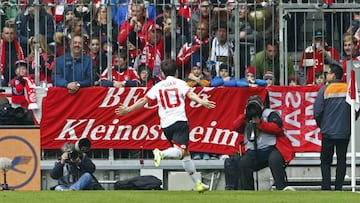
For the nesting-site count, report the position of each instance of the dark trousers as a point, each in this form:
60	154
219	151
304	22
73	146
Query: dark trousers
259	159
326	157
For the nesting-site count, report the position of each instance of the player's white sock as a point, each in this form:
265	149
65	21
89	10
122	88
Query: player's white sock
189	167
172	152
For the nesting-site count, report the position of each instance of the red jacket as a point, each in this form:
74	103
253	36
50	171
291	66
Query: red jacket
313	62
283	144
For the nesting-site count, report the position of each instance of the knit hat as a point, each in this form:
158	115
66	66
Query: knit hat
250	69
268	75
154	27
19	63
225	66
197	60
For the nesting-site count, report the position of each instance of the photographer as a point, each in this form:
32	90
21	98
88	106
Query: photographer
74	170
265	144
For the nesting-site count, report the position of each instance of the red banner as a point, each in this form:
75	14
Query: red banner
90	113
295	105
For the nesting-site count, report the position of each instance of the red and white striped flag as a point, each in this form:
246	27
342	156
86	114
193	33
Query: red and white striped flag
353	91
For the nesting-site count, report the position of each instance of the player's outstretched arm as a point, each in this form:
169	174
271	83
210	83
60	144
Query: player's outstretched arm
204	102
123	110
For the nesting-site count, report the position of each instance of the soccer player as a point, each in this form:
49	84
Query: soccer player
173	120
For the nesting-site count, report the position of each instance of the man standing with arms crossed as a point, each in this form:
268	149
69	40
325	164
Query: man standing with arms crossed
170	95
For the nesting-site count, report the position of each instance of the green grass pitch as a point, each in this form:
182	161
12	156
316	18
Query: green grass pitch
131	196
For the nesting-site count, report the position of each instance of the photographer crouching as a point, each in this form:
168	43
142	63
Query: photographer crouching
74	169
265	144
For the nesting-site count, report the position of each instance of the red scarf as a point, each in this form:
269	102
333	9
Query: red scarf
18	50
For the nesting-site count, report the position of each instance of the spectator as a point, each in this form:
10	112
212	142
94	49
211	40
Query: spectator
73	70
68	15
84	10
23	87
98	56
222	50
269	60
137	24
25	26
10	51
250	79
47	62
122	74
173	121
202	15
200	46
182	34
9	11
73	171
145	76
314	58
153	51
264	143
320	78
74	26
351	52
196	78
224	79
121	11
100	22
269	78
332	115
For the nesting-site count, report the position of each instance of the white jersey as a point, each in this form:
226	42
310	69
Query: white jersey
170	95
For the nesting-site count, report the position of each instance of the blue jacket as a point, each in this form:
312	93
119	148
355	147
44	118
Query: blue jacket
68	69
244	83
218	81
332	112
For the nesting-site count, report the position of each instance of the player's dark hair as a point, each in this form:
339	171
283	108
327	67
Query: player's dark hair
168	67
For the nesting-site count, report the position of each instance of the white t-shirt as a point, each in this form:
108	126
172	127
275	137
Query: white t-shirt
170	95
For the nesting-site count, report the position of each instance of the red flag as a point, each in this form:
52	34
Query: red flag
352	88
353	91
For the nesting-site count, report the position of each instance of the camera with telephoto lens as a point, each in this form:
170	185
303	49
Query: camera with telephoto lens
73	155
253	109
78	149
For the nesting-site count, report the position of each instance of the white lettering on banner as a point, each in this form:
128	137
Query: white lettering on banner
275	103
309	110
291	123
69	129
294	101
202	94
113	94
297	123
143	132
113	97
291	134
312	136
221	136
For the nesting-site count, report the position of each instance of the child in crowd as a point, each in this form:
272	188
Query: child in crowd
23	87
196	78
269	78
122	74
224	78
250	80
146	78
320	78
